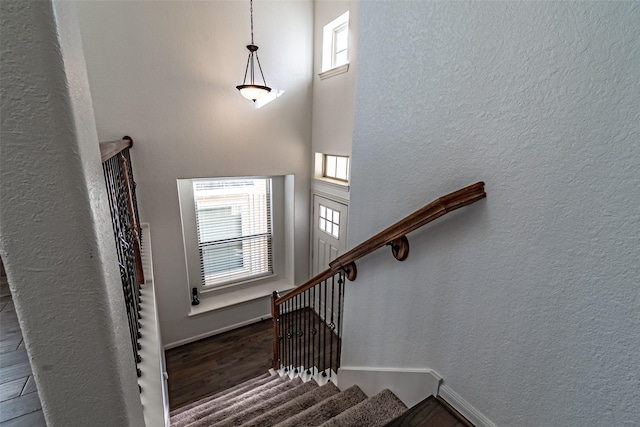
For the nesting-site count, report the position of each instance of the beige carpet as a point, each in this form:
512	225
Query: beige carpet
278	401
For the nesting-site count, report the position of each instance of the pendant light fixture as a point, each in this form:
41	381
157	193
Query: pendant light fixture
253	91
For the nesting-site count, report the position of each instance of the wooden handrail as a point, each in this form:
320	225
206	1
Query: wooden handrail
394	236
108	149
306	285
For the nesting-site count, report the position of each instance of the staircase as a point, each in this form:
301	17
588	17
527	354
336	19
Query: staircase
279	401
307	321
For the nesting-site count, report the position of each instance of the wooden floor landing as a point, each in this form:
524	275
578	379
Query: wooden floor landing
431	412
19	401
213	364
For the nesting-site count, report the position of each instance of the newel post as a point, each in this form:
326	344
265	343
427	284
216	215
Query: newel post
275	317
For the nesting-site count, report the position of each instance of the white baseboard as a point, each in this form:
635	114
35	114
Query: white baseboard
464	407
410	385
217	331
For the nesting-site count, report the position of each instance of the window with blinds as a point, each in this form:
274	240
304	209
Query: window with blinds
233	223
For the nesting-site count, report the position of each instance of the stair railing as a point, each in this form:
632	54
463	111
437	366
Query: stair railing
121	190
307	321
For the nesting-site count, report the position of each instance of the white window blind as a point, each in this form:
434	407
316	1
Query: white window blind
233	222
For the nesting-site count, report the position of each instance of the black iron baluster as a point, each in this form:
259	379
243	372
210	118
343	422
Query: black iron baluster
320	331
120	186
111	170
290	334
307	294
324	335
280	348
314	331
109	180
332	325
296	340
120	248
127	246
284	319
303	338
339	329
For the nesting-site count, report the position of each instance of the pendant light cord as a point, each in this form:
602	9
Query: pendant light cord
251	9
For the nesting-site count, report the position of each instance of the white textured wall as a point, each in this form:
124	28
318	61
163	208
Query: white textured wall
527	303
165	73
55	236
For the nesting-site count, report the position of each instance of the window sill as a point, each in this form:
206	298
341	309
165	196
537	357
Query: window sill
217	299
334	71
343	185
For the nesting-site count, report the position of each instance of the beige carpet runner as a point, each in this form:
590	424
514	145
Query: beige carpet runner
282	402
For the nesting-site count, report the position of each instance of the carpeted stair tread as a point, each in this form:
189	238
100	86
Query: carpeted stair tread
240	388
376	411
261	407
213	404
224	401
237	404
294	406
327	409
274	401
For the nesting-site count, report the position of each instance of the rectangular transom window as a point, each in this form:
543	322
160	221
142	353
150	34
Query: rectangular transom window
336	167
233	223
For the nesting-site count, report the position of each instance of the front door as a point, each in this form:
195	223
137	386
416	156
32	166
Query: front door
329	232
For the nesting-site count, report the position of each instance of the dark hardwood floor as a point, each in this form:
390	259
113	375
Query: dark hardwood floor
431	412
207	366
19	401
213	364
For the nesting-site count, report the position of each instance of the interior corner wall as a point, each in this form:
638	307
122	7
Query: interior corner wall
56	239
526	302
165	74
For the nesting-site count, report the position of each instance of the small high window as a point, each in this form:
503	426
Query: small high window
336	167
335	43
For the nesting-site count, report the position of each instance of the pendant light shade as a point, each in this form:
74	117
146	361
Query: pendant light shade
251	90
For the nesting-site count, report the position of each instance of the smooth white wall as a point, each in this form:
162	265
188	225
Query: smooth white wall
333	98
527	302
165	73
56	240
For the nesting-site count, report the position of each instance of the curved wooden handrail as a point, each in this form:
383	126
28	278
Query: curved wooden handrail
108	149
321	277
393	236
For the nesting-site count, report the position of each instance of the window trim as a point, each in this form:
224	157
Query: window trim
283	255
334	71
